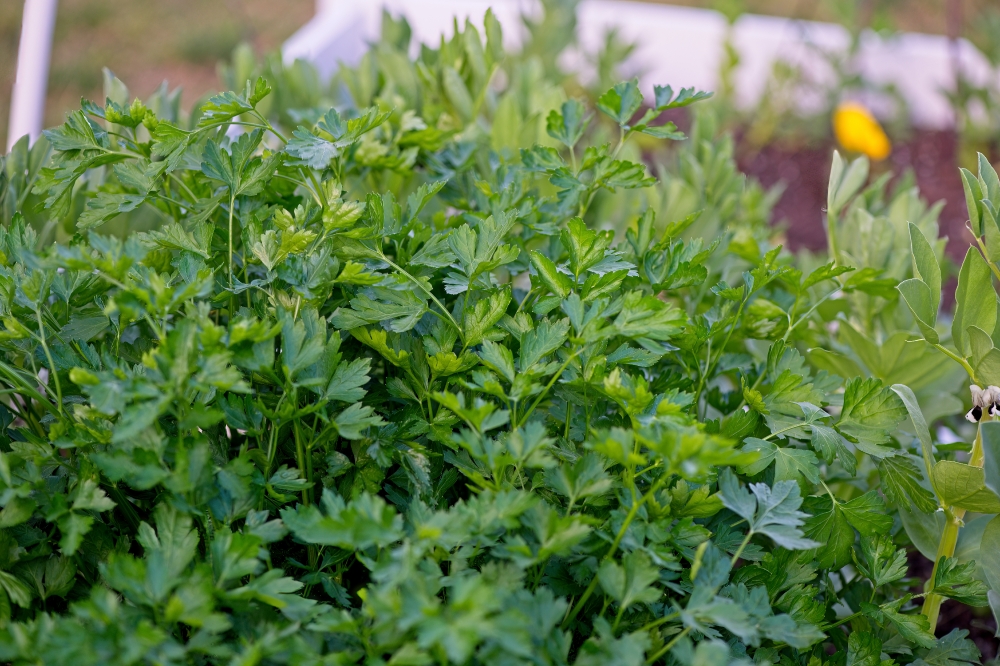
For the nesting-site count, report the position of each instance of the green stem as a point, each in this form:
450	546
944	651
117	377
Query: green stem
831	236
809	312
614	546
187	190
710	365
232	203
949	538
300	454
958	359
562	368
989	259
739	551
427	291
663	620
53	371
669	646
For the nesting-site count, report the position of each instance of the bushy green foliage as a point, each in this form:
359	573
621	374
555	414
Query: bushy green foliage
446	375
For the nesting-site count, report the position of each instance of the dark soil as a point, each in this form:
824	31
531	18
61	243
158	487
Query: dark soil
805	170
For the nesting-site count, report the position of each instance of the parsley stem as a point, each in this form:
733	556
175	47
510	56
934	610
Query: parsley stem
427	291
614	545
742	547
784	430
710	365
53	371
808	312
25	387
187	190
558	373
669	646
657	622
232	203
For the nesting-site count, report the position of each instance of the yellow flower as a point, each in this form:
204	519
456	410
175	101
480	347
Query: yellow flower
858	131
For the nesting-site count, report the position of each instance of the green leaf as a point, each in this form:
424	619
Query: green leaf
400	309
919	422
914	628
556	282
867	514
568	124
870	411
955	649
959	582
845	183
85	328
823	273
832	522
347	380
541	341
356	418
789	463
478	320
228	105
498	358
901	484
926	267
829	526
830	444
989	182
989	553
364	522
631	582
664	97
621	102
864	649
585	478
920	300
88	496
235	556
964	486
990	431
73	527
975	300
106	206
880	561
773	512
973	194
16	589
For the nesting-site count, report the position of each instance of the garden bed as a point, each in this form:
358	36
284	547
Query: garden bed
804	170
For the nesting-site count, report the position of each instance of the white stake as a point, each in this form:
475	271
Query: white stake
27	106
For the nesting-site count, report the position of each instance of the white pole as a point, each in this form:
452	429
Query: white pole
27	105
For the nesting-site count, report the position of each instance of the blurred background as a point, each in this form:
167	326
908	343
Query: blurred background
202	46
144	43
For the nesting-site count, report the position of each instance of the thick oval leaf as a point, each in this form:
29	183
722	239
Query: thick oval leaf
963	486
973	193
976	302
989	554
925	265
919	298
